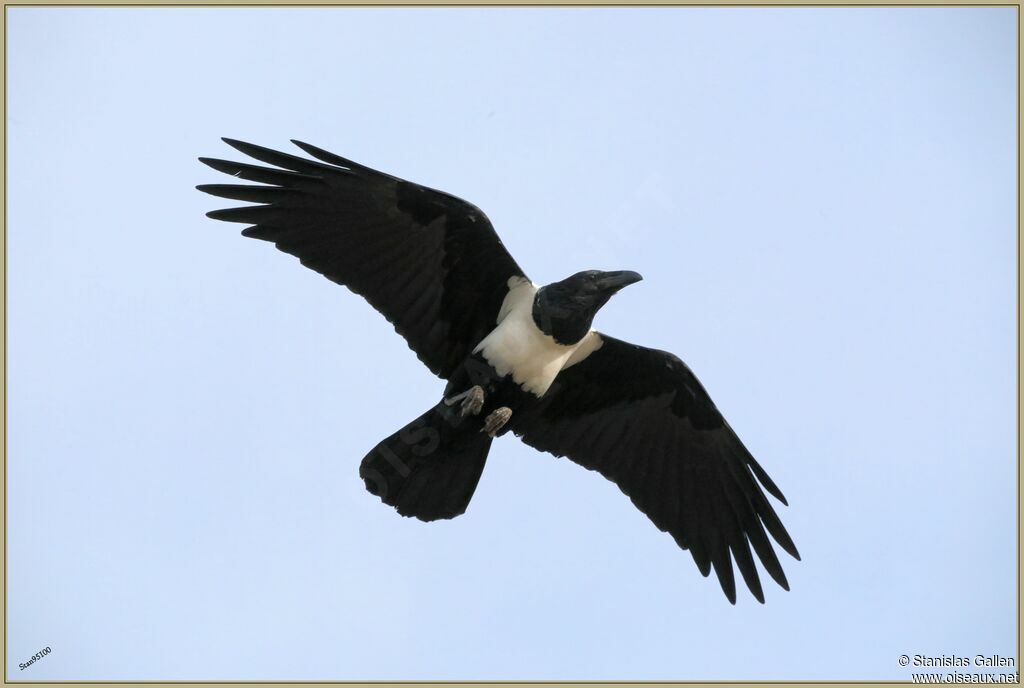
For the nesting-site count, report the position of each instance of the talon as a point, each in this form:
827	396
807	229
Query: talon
496	420
472	401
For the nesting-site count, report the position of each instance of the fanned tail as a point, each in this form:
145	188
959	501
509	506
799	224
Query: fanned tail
430	468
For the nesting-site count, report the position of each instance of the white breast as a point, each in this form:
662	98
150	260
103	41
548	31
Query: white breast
518	348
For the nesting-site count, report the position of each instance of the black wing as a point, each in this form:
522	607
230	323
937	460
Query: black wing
431	263
642	419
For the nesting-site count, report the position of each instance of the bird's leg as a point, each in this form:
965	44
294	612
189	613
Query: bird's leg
472	401
496	420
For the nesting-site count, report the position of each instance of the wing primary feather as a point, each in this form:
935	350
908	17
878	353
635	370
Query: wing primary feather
731	510
247	192
723	569
255	173
285	160
773	524
761	474
745	563
765	552
763	478
329	157
250	215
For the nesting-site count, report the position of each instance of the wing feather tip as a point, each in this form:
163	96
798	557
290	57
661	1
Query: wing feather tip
212	162
756	590
244	146
211	189
309	148
254	232
237	215
329	157
781	579
786	542
729	590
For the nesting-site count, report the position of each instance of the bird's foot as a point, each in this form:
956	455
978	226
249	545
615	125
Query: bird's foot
496	420
472	401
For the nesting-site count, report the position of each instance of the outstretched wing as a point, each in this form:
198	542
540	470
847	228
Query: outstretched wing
431	263
642	419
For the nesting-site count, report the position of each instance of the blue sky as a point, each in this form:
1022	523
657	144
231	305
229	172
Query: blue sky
824	200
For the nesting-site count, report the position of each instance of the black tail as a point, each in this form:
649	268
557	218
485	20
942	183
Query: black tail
430	468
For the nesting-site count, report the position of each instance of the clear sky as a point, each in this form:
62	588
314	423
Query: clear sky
821	200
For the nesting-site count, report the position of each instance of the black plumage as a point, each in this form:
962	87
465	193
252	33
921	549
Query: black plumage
413	253
640	418
433	265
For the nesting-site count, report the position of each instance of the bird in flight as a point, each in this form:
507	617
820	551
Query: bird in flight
517	357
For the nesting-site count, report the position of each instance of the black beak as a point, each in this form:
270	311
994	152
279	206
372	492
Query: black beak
611	282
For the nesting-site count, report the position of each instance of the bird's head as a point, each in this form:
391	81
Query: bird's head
566	309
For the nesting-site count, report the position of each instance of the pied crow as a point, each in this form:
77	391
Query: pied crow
516	357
